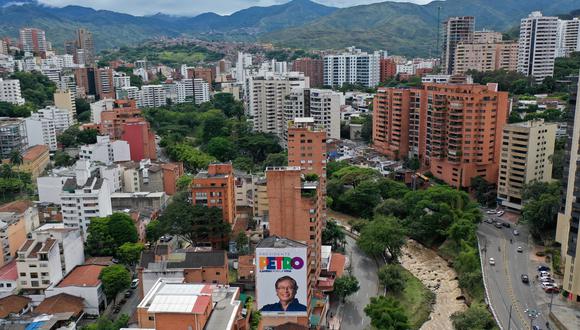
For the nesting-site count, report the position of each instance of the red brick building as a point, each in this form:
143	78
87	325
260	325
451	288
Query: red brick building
312	68
141	139
216	188
307	148
454	129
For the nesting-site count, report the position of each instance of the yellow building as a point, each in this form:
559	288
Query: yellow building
35	160
65	99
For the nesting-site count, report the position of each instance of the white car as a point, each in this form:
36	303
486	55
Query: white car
500	213
490	212
547	285
544	273
492	261
546	279
519	249
134	283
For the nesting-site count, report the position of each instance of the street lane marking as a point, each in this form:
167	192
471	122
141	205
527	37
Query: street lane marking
509	286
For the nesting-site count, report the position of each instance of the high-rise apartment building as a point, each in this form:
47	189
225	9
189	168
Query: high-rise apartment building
216	188
388	69
485	54
104	84
307	146
352	67
203	73
112	115
84	41
153	96
267	95
537	45
61	117
243	64
296	210
3	47
313	68
65	99
12	136
454	129
569	217
568	37
455	30
34	41
525	157
41	131
200	91
10	91
321	105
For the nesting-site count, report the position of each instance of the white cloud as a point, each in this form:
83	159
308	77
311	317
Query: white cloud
194	7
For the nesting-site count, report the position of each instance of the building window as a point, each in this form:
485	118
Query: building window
151	318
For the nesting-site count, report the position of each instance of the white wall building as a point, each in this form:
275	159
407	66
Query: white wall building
352	67
10	91
153	96
200	91
129	93
41	131
62	117
106	151
120	80
568	37
537	45
243	64
39	264
49	188
69	240
98	107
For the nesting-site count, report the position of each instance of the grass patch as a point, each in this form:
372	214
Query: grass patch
232	275
416	300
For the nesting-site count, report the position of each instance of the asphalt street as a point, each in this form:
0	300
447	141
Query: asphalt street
505	287
365	270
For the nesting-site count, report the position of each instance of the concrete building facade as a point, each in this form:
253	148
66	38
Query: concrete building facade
216	188
455	30
313	68
537	45
10	91
352	67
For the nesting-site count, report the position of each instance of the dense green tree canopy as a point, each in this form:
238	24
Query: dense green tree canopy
115	278
386	314
106	235
382	235
345	286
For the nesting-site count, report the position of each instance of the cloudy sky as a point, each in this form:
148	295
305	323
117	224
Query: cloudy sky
194	7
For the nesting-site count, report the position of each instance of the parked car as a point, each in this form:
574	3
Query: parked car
492	261
488	220
546	279
553	289
543	268
128	293
135	283
525	278
490	212
544	273
516	232
506	224
500	213
117	309
498	225
519	249
547	285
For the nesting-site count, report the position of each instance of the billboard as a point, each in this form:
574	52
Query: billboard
281	281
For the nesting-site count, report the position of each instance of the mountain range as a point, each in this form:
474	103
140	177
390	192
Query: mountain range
401	28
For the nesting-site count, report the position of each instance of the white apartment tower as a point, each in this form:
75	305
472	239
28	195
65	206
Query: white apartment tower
33	40
61	117
106	151
537	45
267	95
41	131
10	91
200	90
322	105
243	64
568	37
352	67
153	96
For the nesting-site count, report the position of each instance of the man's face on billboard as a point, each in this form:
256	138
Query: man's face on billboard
285	291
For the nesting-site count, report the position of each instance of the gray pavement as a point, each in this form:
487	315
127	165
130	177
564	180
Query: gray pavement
365	270
505	288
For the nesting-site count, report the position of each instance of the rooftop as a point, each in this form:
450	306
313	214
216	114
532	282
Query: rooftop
171	297
16	206
9	272
279	243
138	195
82	275
12	304
61	303
187	259
34	152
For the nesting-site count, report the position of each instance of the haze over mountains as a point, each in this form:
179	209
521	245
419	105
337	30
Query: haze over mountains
401	28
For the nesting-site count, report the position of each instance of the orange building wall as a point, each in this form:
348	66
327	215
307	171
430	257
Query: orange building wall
312	151
214	275
220	180
16	234
391	126
388	69
174	321
171	172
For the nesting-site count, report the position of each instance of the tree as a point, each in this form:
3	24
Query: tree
228	104
485	192
258	146
194	223
87	136
104	323
462	229
277	159
242	242
154	231
333	235
392	278
221	148
61	159
476	317
115	278
367	128
106	235
383	234
345	285
392	206
129	253
192	158
183	182
244	163
15	158
540	214
386	314
122	229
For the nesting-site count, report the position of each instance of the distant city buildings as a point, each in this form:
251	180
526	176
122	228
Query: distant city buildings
13	136
10	91
313	68
537	46
455	30
568	37
33	41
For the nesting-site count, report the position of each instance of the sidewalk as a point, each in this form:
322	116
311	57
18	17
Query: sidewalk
336	311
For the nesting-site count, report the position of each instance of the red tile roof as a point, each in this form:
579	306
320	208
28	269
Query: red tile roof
83	275
12	304
337	264
61	303
34	152
9	272
16	206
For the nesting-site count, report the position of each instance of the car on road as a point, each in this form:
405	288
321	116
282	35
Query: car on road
500	213
547	285
506	224
128	294
544	273
492	261
516	232
546	279
543	268
498	225
519	249
553	289
117	309
488	220
525	278
490	212
135	283
536	327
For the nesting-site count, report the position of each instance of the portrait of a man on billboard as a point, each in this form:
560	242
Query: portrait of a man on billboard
286	288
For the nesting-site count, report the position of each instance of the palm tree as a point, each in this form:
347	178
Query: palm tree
15	158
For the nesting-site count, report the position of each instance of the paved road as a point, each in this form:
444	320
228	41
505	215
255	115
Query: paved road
505	287
365	270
